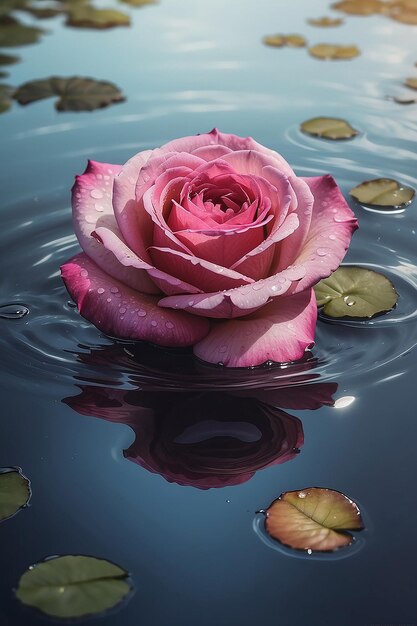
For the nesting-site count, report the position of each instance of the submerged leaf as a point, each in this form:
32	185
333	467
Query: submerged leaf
383	192
73	586
14	491
326	51
89	17
360	7
8	59
313	519
329	128
326	22
293	41
13	33
75	93
411	82
355	292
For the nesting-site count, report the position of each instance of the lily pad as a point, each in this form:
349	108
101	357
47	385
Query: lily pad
327	51
73	586
8	59
383	192
411	82
74	93
89	17
293	41
360	7
14	492
43	13
355	292
313	519
7	6
13	33
329	128
404	12
6	93
325	22
138	3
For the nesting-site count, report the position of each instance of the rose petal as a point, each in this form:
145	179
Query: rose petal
91	207
121	312
328	238
280	332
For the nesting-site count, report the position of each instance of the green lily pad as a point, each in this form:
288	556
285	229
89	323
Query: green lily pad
43	13
6	93
73	586
14	492
325	22
278	41
74	93
138	3
333	52
89	17
3	74
7	6
8	59
313	519
411	82
13	33
355	292
329	128
383	192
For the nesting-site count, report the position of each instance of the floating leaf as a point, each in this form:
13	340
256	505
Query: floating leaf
355	292
313	519
383	192
42	13
75	93
73	586
411	82
293	41
329	128
13	33
326	22
138	3
360	7
8	59
328	51
89	17
3	74
403	100
6	93
7	6
14	492
405	12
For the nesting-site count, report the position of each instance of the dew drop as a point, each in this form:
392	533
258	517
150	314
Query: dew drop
98	207
108	299
90	219
332	237
123	310
100	290
302	494
13	311
84	273
190	303
114	289
257	286
154	323
141	313
322	251
96	193
169	325
349	301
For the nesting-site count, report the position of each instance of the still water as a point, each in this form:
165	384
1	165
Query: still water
157	462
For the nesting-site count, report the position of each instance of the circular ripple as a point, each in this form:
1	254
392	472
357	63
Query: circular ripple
54	343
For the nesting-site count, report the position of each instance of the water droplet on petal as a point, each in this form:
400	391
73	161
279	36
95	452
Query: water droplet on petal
84	273
169	325
100	290
123	310
96	193
114	289
98	208
322	251
191	302
332	237
141	313
154	323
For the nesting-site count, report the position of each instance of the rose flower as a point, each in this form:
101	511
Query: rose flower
210	241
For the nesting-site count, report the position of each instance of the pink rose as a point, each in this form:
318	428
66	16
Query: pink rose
210	241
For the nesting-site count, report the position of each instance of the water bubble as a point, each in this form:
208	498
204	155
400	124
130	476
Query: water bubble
123	310
141	313
98	208
154	323
302	494
13	311
114	289
100	290
96	193
84	273
169	325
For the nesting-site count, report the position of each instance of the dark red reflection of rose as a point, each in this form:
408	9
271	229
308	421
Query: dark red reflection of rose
207	439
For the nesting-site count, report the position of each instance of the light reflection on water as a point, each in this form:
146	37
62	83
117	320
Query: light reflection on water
193	554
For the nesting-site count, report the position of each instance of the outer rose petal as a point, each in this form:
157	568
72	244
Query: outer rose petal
92	207
280	332
331	229
121	312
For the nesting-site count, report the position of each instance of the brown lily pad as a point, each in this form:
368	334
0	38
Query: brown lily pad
329	128
404	12
411	82
383	192
360	7
325	22
313	519
278	41
326	52
355	292
74	93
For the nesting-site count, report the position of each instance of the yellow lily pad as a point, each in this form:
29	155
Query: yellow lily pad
325	22
326	51
313	520
355	292
329	128
360	7
89	17
278	41
411	82
404	11
73	586
383	192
